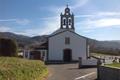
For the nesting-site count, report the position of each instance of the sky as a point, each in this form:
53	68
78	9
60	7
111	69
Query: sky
95	19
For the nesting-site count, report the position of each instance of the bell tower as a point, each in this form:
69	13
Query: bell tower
67	19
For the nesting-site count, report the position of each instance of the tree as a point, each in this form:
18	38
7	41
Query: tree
8	47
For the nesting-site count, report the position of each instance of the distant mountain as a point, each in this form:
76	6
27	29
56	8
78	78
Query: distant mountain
12	35
23	40
109	44
95	45
105	47
42	38
106	44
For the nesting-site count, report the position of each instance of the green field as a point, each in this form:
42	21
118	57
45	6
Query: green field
117	65
21	69
100	54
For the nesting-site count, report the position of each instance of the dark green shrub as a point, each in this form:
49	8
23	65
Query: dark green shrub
8	47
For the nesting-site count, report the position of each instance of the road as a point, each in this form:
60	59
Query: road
70	72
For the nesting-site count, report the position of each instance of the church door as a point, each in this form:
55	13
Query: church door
67	55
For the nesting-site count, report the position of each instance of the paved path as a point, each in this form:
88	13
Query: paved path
71	72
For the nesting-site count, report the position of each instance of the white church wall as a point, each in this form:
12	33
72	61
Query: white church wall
89	61
57	45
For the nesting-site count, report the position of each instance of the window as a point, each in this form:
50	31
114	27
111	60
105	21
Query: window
64	22
69	21
67	40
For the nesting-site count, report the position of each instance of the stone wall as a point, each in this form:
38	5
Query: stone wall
108	73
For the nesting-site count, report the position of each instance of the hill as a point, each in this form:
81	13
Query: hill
12	68
105	47
95	45
21	39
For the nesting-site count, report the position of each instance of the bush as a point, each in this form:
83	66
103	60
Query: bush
8	47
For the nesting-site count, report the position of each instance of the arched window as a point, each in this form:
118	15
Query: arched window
70	21
64	21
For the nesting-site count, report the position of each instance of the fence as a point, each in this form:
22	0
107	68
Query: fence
108	73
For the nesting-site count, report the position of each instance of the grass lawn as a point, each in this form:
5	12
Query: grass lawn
12	68
100	54
113	65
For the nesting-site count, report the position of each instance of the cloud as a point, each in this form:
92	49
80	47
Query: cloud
107	22
23	21
52	23
99	20
100	23
48	27
89	21
108	14
92	21
99	15
49	18
84	16
76	4
56	10
79	3
18	21
7	20
4	29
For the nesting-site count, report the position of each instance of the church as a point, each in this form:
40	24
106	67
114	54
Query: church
63	45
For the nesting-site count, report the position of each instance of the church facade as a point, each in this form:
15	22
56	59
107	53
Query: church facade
65	44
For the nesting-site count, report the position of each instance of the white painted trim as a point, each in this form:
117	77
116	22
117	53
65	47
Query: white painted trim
83	77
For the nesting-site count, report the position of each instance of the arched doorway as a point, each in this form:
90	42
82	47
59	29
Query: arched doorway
67	55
